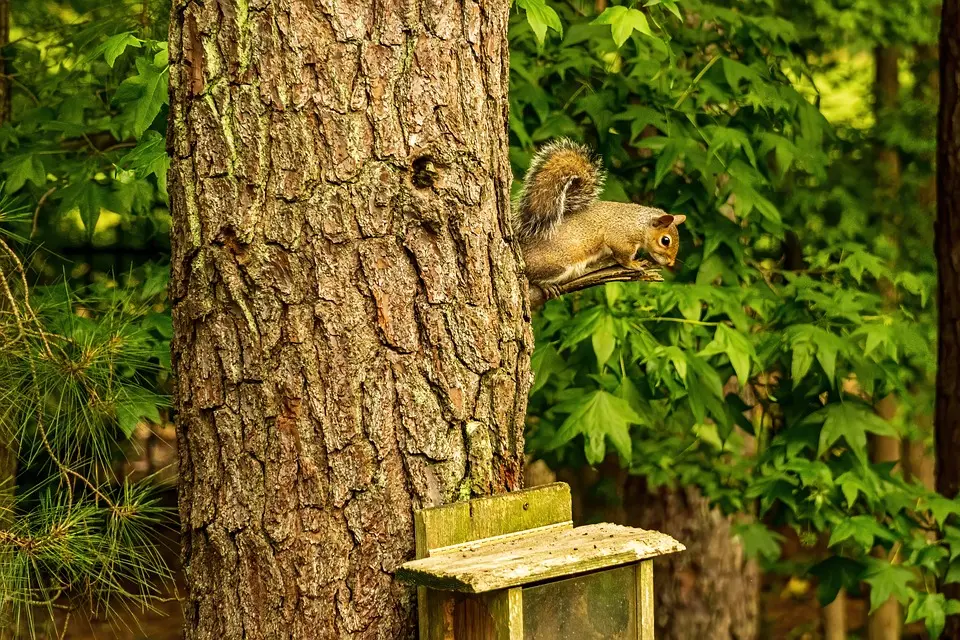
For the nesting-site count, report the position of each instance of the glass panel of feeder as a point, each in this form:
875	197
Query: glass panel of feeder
596	606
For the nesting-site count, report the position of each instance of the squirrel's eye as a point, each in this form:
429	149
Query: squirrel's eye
665	241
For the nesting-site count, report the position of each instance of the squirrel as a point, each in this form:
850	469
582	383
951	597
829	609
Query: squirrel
565	230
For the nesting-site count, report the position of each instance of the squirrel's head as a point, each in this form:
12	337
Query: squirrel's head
664	240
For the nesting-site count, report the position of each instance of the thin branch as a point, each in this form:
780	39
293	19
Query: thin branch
36	212
696	81
539	295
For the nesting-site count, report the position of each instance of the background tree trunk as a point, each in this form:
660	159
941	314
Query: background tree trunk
885	622
351	330
947	418
835	618
5	98
711	590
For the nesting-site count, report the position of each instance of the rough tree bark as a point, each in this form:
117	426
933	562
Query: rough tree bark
351	331
947	230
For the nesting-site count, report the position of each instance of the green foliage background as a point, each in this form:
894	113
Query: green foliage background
804	295
84	323
806	282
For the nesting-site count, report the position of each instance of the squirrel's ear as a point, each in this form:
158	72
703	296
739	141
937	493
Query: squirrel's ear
679	219
663	221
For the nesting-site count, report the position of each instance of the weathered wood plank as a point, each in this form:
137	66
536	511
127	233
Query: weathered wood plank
435	611
499	515
645	600
507	609
481	566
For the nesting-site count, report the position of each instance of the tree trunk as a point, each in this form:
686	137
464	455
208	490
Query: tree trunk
835	618
886	89
710	590
5	98
918	460
351	336
885	622
947	229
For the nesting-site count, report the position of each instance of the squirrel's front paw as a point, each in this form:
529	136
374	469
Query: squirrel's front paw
635	265
551	291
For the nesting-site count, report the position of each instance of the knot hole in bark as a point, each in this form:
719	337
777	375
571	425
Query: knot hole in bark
234	245
425	172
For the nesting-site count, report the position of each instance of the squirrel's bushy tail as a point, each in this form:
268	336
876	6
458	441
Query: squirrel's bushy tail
564	177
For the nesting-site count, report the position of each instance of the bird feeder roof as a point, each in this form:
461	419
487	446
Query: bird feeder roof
545	554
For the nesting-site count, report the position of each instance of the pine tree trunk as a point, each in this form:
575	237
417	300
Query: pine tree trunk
947	418
351	331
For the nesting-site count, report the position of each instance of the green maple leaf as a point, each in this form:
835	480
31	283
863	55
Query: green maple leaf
809	342
87	197
669	4
878	335
941	507
759	541
116	45
735	72
134	404
851	485
860	261
951	535
598	416
836	573
851	422
23	169
886	580
623	22
667	158
953	573
545	362
737	347
862	529
582	327
144	94
604	341
678	357
149	157
801	361
932	608
540	17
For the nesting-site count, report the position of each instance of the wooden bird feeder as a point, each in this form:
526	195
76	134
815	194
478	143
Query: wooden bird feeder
513	566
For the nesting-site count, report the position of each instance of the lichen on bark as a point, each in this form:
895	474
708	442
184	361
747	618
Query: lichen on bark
351	329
